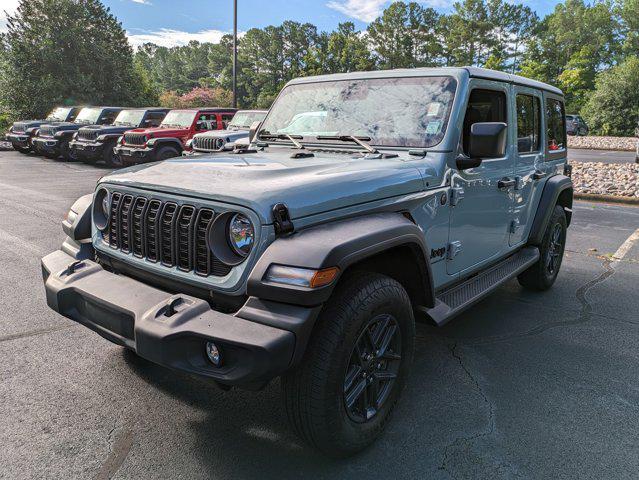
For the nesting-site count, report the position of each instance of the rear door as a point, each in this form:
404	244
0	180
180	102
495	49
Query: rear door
530	167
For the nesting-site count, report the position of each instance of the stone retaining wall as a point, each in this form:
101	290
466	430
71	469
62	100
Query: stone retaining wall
603	143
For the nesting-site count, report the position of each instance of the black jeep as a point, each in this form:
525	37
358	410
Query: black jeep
21	133
52	140
96	142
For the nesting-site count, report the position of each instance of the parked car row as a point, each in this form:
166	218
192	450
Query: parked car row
127	136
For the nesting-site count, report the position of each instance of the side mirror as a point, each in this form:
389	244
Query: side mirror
255	126
487	140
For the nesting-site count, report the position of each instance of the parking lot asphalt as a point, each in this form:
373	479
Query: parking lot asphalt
604	156
523	385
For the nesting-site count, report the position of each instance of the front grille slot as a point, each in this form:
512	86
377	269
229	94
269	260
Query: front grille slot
167	234
151	230
174	235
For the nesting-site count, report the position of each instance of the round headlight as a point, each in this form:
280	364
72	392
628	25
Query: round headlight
101	209
241	234
219	143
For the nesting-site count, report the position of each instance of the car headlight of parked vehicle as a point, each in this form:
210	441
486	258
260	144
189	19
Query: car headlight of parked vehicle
231	237
59	134
101	209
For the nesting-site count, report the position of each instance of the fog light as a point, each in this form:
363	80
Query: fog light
213	353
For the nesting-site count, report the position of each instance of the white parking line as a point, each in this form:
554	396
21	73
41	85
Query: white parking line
626	246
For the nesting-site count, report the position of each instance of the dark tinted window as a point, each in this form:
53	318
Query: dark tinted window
556	124
483	106
528	123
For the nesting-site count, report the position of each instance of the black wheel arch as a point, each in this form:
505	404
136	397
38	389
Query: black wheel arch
167	142
558	190
387	243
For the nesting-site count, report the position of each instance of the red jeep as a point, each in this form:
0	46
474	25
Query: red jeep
142	145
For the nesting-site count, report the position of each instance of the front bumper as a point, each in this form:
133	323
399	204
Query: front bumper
87	150
131	155
49	145
20	140
258	343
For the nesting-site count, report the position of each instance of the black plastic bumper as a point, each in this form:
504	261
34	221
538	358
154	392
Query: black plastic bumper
130	156
20	140
85	150
258	343
49	145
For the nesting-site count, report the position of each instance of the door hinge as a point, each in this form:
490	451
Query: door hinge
454	248
282	220
456	195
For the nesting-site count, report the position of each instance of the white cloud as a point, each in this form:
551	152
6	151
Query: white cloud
369	10
167	37
143	2
7	7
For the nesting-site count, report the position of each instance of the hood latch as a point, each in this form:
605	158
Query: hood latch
282	220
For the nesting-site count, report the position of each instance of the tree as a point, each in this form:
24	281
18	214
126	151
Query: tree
613	108
53	60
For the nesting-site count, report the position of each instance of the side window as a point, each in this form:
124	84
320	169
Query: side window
483	106
109	117
153	119
210	121
528	123
556	125
226	119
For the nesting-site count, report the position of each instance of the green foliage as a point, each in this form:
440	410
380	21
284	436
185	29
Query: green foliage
613	108
64	52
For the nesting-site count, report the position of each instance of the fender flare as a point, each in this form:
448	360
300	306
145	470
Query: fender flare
342	244
163	141
554	187
77	226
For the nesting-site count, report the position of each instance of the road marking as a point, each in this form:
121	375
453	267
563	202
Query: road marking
626	246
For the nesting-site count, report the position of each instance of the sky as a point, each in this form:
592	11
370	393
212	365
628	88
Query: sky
176	22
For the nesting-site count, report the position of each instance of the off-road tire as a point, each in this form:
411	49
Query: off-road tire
313	393
110	158
166	152
539	276
52	156
66	153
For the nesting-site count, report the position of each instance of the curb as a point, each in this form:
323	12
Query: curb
591	197
603	149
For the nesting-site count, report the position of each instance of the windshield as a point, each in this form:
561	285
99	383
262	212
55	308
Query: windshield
406	112
129	118
178	118
89	116
59	114
246	119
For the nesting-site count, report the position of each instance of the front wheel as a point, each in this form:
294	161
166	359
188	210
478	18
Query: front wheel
340	397
542	274
23	150
164	153
111	158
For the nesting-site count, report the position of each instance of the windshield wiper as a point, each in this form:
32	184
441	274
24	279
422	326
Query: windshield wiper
361	141
293	139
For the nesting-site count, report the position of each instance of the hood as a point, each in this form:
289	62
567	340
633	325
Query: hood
104	129
258	181
232	135
159	132
22	125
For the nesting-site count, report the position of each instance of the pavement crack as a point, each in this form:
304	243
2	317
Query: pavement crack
467	439
32	333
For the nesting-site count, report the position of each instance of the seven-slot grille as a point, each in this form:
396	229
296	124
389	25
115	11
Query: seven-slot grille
135	138
208	144
87	135
47	131
163	232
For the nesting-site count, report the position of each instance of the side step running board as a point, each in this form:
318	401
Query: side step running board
459	297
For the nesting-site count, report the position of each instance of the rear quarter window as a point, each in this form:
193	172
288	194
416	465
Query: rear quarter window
555	125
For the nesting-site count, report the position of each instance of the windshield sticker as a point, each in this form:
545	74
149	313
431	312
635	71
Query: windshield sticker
433	109
433	127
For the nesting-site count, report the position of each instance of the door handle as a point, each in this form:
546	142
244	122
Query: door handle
506	183
538	175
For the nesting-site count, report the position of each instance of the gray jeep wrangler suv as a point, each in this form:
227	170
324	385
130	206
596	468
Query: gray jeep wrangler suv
364	201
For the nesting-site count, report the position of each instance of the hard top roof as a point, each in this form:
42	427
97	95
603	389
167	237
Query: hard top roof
207	109
474	72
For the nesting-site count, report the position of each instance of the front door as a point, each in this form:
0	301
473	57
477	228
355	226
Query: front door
482	197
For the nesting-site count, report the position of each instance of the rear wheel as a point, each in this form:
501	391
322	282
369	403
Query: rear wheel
66	152
340	397
543	273
166	152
